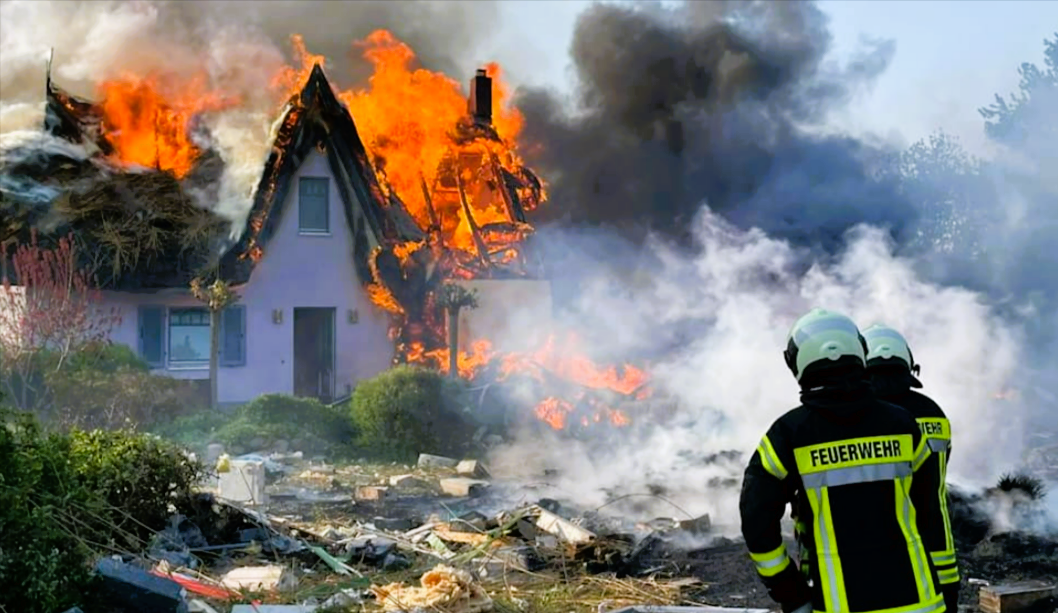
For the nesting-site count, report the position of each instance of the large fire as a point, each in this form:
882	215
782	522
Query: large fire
453	165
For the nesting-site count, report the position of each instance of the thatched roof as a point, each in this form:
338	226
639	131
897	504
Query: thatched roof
315	119
143	230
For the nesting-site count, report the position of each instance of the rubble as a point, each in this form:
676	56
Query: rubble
260	579
461	487
427	460
1018	597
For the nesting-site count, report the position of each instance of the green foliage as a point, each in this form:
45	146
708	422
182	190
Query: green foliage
407	410
65	498
307	424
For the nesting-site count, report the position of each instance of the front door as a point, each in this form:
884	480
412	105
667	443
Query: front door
314	353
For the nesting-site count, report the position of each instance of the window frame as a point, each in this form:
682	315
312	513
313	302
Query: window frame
170	364
327	208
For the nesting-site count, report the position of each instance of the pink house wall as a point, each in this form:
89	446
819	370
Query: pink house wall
296	271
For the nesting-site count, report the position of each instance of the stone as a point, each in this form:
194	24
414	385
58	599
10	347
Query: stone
371	492
406	481
260	579
472	468
243	482
427	460
463	487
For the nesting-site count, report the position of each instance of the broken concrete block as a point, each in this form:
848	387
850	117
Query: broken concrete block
260	578
371	492
463	487
472	468
698	525
243	482
136	589
273	608
562	528
427	460
406	481
1015	597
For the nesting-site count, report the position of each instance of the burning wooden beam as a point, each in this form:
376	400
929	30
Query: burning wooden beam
475	231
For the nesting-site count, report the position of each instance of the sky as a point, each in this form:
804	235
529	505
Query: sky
951	57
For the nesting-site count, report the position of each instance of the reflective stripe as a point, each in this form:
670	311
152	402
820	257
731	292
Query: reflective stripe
771	563
857	474
770	460
922	453
906	518
830	574
942	494
937	445
936	604
948	576
943	558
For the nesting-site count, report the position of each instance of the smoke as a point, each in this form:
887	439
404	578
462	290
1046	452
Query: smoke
241	46
700	134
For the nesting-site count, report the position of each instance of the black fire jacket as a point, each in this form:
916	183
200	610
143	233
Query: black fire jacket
846	459
934	522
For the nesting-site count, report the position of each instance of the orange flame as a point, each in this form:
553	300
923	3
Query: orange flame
149	121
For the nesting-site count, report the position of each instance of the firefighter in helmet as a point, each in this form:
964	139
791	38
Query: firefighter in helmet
893	373
847	460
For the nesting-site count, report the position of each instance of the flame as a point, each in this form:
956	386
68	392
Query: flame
149	121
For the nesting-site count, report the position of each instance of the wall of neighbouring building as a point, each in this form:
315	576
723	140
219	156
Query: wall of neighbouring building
296	271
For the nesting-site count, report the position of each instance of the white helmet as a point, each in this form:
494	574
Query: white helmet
886	346
822	336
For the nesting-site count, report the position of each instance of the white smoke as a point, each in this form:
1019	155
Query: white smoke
738	297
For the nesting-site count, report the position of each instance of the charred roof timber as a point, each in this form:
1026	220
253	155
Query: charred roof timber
479	104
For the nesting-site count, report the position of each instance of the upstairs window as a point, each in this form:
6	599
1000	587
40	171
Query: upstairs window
314	205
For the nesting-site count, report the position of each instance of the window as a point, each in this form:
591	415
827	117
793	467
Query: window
314	205
189	337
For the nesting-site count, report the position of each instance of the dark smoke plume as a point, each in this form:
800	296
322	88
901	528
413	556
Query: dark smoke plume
714	102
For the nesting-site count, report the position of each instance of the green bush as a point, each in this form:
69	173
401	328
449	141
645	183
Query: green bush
66	498
407	410
305	423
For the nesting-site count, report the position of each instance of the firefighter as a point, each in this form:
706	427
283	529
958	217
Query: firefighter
893	372
847	459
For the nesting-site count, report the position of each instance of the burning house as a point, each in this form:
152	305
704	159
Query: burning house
328	294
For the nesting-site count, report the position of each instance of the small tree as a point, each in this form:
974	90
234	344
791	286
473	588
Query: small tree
50	310
453	298
217	297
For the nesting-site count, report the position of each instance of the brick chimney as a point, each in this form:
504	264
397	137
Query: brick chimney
479	104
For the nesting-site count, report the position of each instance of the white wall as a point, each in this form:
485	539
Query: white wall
295	271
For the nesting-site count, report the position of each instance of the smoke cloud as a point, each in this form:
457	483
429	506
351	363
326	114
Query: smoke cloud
700	134
240	46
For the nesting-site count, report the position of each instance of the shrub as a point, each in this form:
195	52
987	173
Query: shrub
308	423
407	410
67	497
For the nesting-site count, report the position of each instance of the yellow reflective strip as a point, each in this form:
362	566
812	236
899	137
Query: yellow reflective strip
921	454
949	538
942	558
833	559
772	570
905	514
935	427
770	459
854	452
948	576
934	605
774	554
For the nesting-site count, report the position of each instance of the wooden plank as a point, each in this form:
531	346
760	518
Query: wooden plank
1014	597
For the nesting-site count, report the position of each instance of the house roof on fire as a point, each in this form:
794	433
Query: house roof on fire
156	210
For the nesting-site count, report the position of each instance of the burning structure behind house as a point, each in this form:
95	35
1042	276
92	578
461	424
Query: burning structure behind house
433	188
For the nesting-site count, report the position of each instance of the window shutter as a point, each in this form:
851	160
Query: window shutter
152	321
233	336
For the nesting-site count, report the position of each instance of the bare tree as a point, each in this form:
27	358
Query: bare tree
453	298
50	309
217	297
